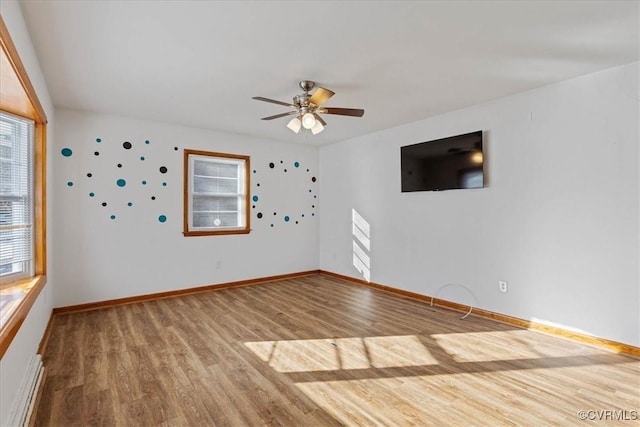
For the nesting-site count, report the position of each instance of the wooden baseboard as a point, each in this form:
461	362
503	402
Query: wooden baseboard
503	318
179	292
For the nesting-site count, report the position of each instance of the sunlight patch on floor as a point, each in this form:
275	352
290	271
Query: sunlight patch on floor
343	353
503	345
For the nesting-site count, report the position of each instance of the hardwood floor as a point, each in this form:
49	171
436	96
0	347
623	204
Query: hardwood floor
317	351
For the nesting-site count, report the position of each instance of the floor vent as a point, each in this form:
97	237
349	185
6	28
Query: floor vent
23	405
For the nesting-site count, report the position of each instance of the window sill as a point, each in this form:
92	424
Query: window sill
16	301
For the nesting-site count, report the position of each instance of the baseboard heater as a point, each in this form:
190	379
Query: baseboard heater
27	393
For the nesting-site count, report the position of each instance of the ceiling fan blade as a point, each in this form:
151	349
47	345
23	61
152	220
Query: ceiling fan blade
273	101
320	96
354	112
318	118
277	116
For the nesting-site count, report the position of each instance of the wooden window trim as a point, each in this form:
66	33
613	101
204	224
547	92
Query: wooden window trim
24	102
190	233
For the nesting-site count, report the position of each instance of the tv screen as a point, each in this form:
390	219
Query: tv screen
443	164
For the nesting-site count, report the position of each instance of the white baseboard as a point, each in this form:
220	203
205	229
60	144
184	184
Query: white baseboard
23	405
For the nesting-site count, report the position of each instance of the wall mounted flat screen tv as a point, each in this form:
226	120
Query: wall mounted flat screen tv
449	163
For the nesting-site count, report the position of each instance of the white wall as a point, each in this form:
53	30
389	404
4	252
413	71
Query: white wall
14	363
135	254
558	220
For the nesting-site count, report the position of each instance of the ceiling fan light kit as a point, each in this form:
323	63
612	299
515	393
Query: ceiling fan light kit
306	108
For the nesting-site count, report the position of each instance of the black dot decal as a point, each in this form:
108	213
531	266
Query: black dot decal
175	148
163	169
274	213
259	214
313	179
258	184
119	165
296	222
313	206
254	206
285	170
126	145
271	165
89	175
97	153
104	203
153	197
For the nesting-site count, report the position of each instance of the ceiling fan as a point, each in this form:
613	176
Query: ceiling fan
308	107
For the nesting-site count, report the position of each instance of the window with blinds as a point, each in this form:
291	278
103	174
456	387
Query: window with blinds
217	193
16	197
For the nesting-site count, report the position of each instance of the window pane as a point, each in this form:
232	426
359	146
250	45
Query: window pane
215	220
16	199
215	185
215	168
215	203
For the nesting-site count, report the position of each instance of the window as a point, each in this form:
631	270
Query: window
23	147
216	193
16	197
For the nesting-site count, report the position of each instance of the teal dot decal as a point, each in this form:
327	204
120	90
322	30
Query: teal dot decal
272	225
92	194
254	171
296	164
142	158
162	218
164	184
121	182
254	198
113	217
286	218
313	214
146	142
98	140
70	184
129	204
67	152
144	182
302	215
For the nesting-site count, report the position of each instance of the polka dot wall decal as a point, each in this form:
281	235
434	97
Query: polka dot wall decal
89	175
119	165
313	179
286	218
309	190
281	162
307	170
129	204
274	214
92	194
98	140
254	198
254	171
144	182
253	206
142	158
113	217
302	215
271	225
258	184
296	222
259	215
285	170
121	182
67	152
146	142
97	153
70	184
104	203
153	197
163	169
296	164
271	165
162	218
164	184
126	145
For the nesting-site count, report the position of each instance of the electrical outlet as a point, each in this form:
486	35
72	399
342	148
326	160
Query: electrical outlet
503	286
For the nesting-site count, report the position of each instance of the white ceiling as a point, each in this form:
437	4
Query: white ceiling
198	63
